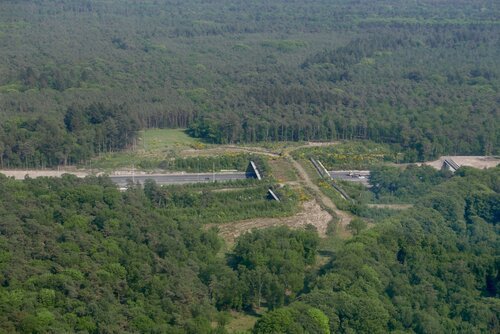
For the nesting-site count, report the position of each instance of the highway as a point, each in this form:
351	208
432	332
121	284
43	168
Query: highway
122	180
351	175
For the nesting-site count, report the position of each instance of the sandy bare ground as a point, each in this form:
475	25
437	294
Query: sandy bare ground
21	174
311	213
480	162
343	217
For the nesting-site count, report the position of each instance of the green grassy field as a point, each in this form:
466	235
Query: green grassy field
154	140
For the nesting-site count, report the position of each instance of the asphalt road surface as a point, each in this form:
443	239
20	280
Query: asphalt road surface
352	176
180	178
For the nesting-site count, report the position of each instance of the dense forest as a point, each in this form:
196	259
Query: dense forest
421	75
77	255
431	269
84	132
393	80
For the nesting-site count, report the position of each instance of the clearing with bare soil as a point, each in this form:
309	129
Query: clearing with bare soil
311	213
343	217
480	162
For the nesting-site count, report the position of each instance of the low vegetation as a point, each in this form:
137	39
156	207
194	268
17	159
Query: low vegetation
350	155
207	206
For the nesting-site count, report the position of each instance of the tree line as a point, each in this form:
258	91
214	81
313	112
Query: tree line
84	132
377	87
325	70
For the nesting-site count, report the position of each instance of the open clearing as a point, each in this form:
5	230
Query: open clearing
311	213
480	162
159	139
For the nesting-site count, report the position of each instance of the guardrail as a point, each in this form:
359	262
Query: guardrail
341	191
321	169
323	172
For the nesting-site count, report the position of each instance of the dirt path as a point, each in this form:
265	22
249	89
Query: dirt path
276	153
343	217
390	206
228	149
311	144
311	213
20	174
480	162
